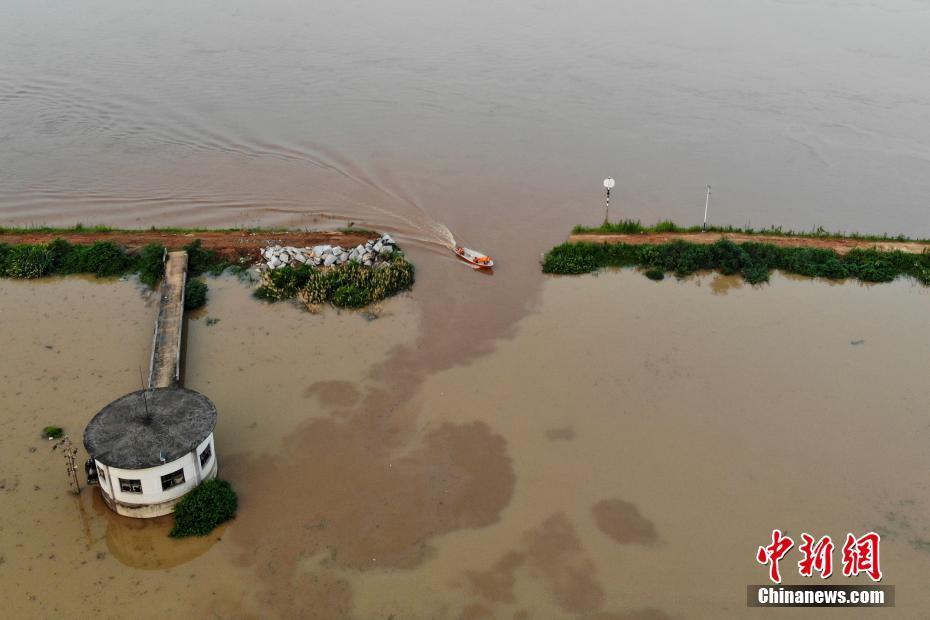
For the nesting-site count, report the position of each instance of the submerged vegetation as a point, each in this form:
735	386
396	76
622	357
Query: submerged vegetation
53	432
350	285
212	503
195	294
201	260
102	259
635	227
754	261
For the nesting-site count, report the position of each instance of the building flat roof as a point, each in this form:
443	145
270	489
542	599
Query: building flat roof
132	433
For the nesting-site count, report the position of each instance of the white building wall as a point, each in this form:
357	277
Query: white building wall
209	468
152	492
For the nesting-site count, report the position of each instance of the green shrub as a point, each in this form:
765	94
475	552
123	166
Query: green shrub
728	257
350	285
570	258
53	432
923	275
102	258
195	294
754	261
756	274
351	296
212	503
27	261
655	274
201	260
151	264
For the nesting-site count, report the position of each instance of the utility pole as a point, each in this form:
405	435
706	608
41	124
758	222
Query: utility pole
608	185
706	204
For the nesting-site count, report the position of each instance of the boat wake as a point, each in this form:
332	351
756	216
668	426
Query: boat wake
175	166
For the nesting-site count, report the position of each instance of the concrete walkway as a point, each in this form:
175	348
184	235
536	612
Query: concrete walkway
166	347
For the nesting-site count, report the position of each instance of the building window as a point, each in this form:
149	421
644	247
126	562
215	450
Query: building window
172	480
205	456
100	473
130	486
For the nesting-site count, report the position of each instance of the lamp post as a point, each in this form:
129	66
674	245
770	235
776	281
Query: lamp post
608	185
706	204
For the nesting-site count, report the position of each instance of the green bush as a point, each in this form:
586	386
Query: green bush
756	274
53	432
27	261
195	294
200	260
151	264
570	259
201	510
101	258
655	274
754	261
350	285
351	296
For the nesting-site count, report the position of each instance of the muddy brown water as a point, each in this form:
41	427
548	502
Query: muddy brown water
497	445
621	454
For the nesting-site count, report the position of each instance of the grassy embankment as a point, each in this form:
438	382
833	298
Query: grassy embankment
107	259
634	227
350	285
753	261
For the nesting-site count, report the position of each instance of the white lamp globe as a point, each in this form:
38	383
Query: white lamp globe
609	183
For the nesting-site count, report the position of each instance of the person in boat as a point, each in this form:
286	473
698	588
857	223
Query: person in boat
480	260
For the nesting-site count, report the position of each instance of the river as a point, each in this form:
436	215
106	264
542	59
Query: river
492	445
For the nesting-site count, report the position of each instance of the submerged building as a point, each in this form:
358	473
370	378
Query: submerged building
151	447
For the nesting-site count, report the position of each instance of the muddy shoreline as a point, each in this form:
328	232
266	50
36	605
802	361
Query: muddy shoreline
839	244
229	243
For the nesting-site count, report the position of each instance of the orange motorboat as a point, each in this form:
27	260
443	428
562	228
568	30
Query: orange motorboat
475	258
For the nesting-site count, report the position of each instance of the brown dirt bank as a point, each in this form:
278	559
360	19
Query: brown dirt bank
841	246
230	243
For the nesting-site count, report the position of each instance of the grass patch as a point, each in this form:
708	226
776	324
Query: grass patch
635	227
753	261
354	230
201	510
53	432
351	285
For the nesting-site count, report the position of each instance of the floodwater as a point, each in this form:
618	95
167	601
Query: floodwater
618	457
502	445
